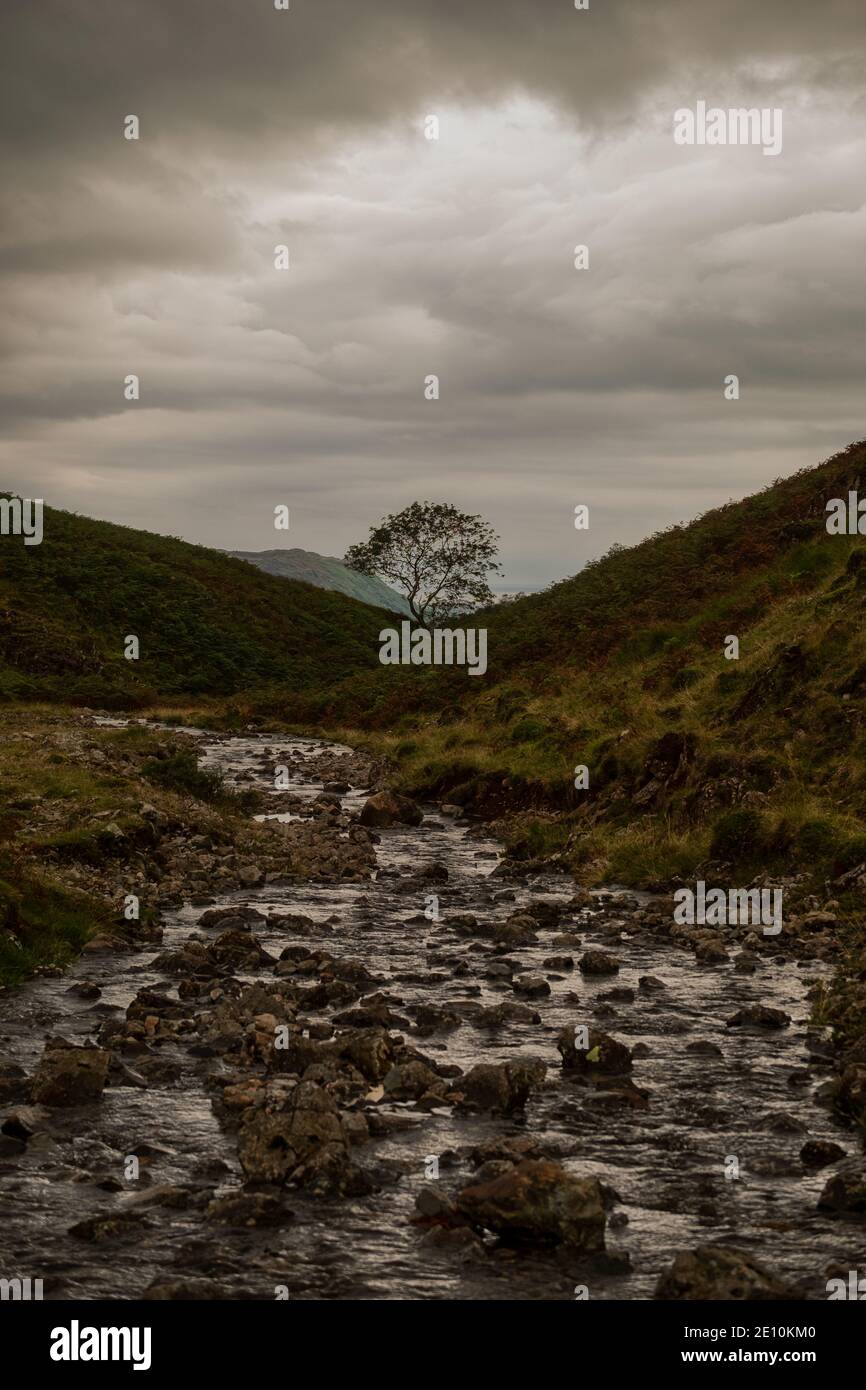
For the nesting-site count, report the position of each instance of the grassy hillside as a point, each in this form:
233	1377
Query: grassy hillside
207	624
326	572
692	758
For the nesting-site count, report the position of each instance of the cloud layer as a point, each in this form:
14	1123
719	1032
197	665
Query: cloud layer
412	257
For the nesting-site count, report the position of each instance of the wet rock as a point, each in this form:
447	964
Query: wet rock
411	1080
818	1153
603	1054
250	1209
503	1087
558	962
850	1096
531	986
710	950
500	1015
231	918
389	808
702	1047
372	1051
510	1151
69	1075
845	1192
110	1226
299	1144
720	1273
759	1016
651	984
538	1203
597	962
781	1123
432	1204
104	944
430	1019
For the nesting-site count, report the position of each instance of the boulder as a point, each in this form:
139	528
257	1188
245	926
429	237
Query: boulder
389	808
604	1055
296	1144
596	962
70	1075
717	1272
846	1190
501	1087
538	1203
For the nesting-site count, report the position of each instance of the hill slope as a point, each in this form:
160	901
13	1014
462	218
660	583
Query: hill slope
207	624
325	572
692	758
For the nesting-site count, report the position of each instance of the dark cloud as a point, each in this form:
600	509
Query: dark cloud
412	257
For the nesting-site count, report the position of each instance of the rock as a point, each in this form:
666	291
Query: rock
531	986
596	962
851	1091
432	1204
499	1015
538	1202
759	1016
110	1226
250	875
295	1144
817	1153
501	1087
604	1055
103	944
702	1047
249	1209
845	1192
720	1273
389	808
710	951
819	921
651	984
69	1075
411	1080
231	918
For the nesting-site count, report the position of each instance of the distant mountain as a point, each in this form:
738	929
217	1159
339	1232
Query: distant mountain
325	572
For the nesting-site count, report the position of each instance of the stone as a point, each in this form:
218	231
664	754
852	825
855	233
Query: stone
538	1203
716	1272
69	1075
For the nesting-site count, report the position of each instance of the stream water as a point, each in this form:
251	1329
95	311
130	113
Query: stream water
752	1100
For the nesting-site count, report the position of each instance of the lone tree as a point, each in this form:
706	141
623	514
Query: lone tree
438	556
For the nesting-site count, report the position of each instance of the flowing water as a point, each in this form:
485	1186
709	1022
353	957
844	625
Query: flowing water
753	1102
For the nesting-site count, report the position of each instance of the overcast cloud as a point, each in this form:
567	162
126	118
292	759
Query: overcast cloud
411	257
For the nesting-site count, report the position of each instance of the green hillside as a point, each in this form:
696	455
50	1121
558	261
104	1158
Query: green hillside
208	625
692	758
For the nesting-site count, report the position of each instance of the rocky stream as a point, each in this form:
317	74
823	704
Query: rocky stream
379	1089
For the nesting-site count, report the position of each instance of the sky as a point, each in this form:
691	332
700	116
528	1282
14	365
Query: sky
412	257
